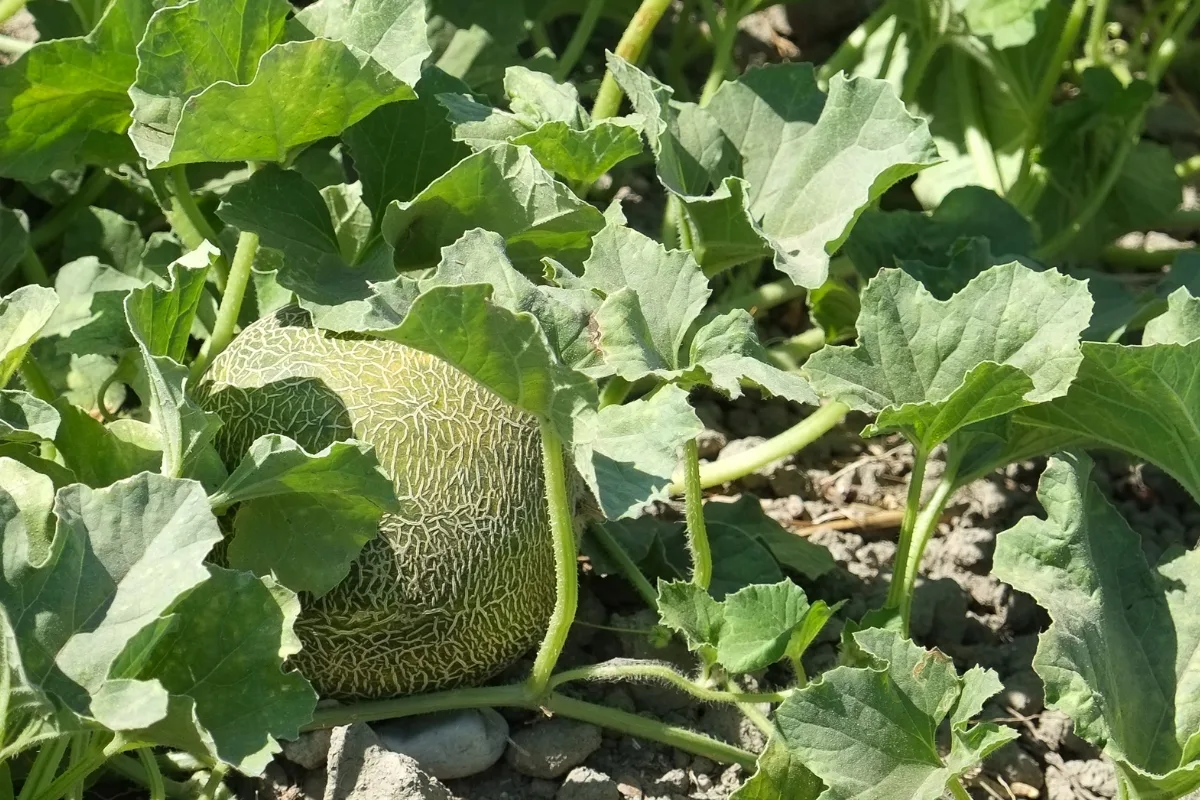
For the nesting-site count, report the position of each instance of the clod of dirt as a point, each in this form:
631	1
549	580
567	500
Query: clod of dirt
1015	765
551	748
309	750
583	783
361	768
1081	780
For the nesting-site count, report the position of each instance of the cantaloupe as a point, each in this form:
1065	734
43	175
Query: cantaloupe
459	583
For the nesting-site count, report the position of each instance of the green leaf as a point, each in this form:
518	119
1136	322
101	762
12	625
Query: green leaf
834	307
929	368
1179	325
384	144
90	316
64	104
583	156
1158	381
811	164
120	558
1008	23
221	660
304	517
688	146
186	429
883	239
780	775
289	215
25	418
692	612
626	454
104	233
728	349
501	189
14	232
164	317
1122	654
23	314
872	732
243	107
26	500
746	519
760	622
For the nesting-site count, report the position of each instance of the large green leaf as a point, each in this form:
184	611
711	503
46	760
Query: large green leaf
402	147
101	454
90	317
25	418
119	559
64	104
1122	655
1144	400
928	367
264	97
501	189
1179	325
810	165
872	732
164	317
304	517
23	314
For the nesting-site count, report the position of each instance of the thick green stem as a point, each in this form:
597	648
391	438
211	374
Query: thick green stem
33	270
154	776
1045	91
615	391
957	790
790	355
797	437
130	768
1176	31
1130	259
14	46
630	47
45	764
922	532
918	66
912	506
724	35
231	303
562	530
56	222
629	570
35	380
761	298
656	671
650	729
182	194
697	531
519	696
579	39
213	786
77	772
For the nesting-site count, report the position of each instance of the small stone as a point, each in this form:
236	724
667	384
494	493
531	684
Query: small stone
308	750
1015	765
710	443
681	760
788	480
361	768
449	744
583	783
703	765
1024	693
674	781
551	748
1024	790
630	790
702	781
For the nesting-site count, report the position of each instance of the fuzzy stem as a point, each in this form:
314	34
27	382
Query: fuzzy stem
9	9
518	696
651	670
81	770
130	768
182	194
651	729
697	531
35	380
633	42
922	531
795	438
1045	92
615	391
612	548
154	776
579	39
790	354
724	36
562	529
32	268
56	222
956	789
1130	259
213	786
231	303
912	507
45	764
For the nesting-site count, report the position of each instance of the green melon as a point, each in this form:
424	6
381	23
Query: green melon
459	583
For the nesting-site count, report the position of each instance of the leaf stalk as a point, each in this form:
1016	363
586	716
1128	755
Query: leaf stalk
612	548
633	42
231	304
697	530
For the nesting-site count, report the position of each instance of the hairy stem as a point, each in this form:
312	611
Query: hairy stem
655	671
615	391
132	769
182	194
231	303
154	776
795	438
562	529
14	46
629	570
633	42
791	353
579	39
77	772
912	507
697	531
9	8
957	790
56	222
724	32
1045	91
519	696
32	268
922	531
651	729
45	764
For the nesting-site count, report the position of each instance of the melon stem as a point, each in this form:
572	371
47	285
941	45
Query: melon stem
697	531
231	304
562	531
